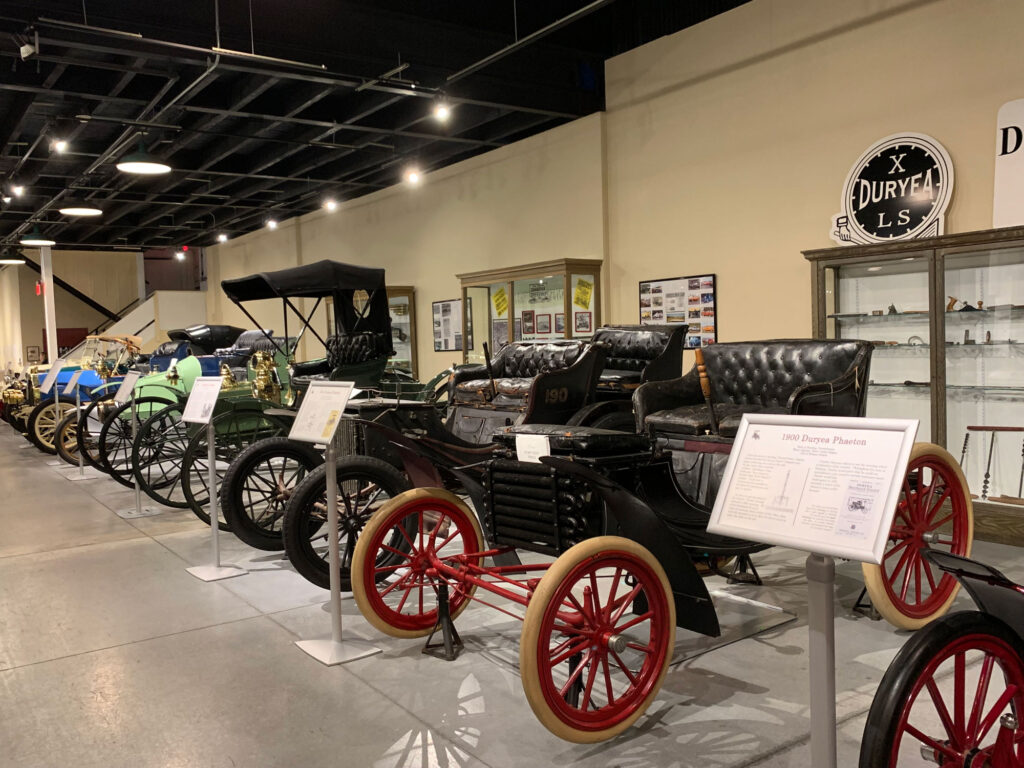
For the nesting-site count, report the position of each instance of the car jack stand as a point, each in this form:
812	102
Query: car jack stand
452	644
865	607
744	572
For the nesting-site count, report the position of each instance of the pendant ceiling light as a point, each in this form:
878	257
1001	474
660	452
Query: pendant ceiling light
79	208
36	239
142	163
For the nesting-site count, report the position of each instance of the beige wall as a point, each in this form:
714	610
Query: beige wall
728	143
109	278
11	349
724	149
538	199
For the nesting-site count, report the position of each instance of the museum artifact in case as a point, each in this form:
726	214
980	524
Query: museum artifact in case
946	317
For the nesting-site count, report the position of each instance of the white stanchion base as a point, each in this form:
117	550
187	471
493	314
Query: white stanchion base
330	653
75	477
216	572
56	463
26	445
131	512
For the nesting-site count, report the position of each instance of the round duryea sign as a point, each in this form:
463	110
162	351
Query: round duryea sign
897	190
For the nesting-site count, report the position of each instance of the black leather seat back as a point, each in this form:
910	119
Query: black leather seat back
629	349
523	360
357	348
768	373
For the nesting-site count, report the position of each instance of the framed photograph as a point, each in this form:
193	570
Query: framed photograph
528	321
582	322
560	322
33	354
543	323
447	317
690	298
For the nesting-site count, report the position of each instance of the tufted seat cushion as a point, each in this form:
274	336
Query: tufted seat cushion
613	379
357	348
635	354
515	369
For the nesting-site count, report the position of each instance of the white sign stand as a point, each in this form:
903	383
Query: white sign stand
317	422
827	485
199	410
126	393
74	387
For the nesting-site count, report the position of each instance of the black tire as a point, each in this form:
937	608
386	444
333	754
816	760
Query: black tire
67	451
157	455
305	516
903	696
231	439
253	505
87	431
52	411
115	443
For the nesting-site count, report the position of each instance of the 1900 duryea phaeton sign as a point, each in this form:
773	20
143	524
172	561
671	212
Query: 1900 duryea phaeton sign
897	190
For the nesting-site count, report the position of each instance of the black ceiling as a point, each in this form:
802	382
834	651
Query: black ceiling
336	102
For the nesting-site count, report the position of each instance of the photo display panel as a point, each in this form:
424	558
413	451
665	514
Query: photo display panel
692	300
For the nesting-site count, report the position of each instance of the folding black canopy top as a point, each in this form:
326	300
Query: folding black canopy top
324	278
341	282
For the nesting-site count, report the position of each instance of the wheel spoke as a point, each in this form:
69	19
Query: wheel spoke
997	709
626	602
952	732
624	667
897	548
607	680
934	509
589	688
928	740
570	652
634	621
959	691
979	700
575	674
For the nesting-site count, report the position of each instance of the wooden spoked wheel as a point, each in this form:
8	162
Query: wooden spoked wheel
934	511
597	639
394	578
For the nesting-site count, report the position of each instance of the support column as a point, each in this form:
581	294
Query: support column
49	315
140	273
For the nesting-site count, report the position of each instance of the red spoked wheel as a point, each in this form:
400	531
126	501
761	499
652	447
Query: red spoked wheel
934	511
951	697
597	639
394	576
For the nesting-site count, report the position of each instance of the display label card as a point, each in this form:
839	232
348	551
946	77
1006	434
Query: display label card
320	411
202	399
822	484
73	382
51	375
124	392
530	448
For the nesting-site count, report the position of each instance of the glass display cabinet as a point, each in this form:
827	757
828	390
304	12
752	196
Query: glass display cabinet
547	300
946	316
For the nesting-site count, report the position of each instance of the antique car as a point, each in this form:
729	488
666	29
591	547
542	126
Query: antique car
101	358
196	340
599	621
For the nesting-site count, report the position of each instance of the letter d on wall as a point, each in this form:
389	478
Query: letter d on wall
1008	198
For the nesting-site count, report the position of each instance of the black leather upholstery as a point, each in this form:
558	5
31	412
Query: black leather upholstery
357	348
800	376
515	367
635	354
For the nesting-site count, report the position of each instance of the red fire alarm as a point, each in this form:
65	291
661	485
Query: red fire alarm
39	287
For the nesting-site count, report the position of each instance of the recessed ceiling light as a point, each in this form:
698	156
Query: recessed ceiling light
910	258
35	239
413	176
79	208
271	223
17	190
60	146
7	199
331	205
222	238
141	163
179	255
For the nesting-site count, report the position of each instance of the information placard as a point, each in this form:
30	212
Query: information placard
530	448
202	399
823	484
69	389
124	392
51	375
320	411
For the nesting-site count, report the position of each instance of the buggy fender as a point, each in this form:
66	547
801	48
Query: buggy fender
588	414
637	521
421	471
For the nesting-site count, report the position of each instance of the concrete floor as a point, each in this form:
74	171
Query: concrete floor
112	655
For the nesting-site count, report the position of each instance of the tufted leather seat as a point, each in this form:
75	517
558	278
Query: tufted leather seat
799	376
515	368
356	348
635	354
